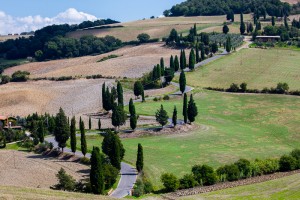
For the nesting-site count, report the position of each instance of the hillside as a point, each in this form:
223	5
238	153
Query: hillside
156	28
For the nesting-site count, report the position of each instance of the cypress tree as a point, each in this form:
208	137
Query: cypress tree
62	129
73	135
138	88
185	108
172	63
107	144
154	73
162	66
108	100
104	96
41	131
273	21
158	71
184	59
120	94
118	115
140	158
143	95
174	117
115	157
286	23
192	110
202	52
182	81
131	107
114	94
162	116
242	26
176	64
99	124
90	123
195	30
97	172
192	60
182	66
198	59
133	122
228	44
83	139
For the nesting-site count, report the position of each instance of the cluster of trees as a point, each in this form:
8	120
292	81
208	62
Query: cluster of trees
189	112
281	88
50	43
204	175
18	76
221	7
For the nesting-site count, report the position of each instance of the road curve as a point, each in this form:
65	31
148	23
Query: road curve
128	173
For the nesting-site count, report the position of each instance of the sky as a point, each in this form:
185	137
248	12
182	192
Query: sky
18	16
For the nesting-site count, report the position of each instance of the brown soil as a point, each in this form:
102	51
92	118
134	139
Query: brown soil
133	62
221	186
32	170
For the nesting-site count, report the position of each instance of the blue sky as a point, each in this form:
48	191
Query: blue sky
18	16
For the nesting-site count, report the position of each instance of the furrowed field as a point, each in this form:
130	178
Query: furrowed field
259	68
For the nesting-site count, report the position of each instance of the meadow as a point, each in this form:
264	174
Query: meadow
230	127
259	68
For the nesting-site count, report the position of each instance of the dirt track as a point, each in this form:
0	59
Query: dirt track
32	170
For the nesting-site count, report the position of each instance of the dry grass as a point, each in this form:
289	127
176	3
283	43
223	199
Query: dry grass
7	37
133	62
23	169
156	28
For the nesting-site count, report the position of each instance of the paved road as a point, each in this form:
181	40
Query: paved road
128	173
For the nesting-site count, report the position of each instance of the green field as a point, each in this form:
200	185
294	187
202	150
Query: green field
259	68
231	126
283	188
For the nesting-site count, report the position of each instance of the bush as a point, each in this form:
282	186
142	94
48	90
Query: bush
85	161
244	167
143	37
170	182
65	181
166	97
204	174
148	187
268	166
296	154
231	172
110	175
20	76
282	88
138	189
233	88
187	181
287	163
243	87
4	79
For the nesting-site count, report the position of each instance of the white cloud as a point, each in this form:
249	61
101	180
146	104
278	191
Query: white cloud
9	24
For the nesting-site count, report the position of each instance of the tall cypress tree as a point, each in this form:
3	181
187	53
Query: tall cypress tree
97	172
198	59
118	117
172	63
41	131
90	123
73	135
104	98
176	64
162	66
62	129
99	124
83	139
286	23
107	144
228	44
120	94
273	21
115	157
182	81
181	60
242	26
185	108
195	30
192	110
140	158
202	52
192	60
158	71
133	117
131	107
174	117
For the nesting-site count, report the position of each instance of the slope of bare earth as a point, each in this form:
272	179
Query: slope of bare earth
133	62
156	28
32	170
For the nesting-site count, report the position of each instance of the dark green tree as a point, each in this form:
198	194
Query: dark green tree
104	98
140	159
162	66
273	21
107	145
120	94
242	25
83	138
131	107
97	172
198	58
174	117
172	62
133	117
182	81
62	129
90	123
228	44
118	117
214	47
176	64
138	88
41	131
161	116
182	66
73	134
286	23
192	60
225	28
99	124
143	37
185	108
169	75
192	110
202	52
170	182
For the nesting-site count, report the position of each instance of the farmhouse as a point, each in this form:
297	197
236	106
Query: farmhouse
266	38
8	122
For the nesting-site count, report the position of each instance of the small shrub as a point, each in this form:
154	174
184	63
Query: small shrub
287	163
268	166
244	167
166	97
170	182
204	174
231	172
20	76
85	161
233	88
243	87
148	187
282	88
187	181
138	189
65	181
296	154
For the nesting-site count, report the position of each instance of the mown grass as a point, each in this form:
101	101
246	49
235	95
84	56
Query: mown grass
257	67
283	188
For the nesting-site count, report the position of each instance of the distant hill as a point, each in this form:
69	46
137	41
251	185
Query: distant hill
221	7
